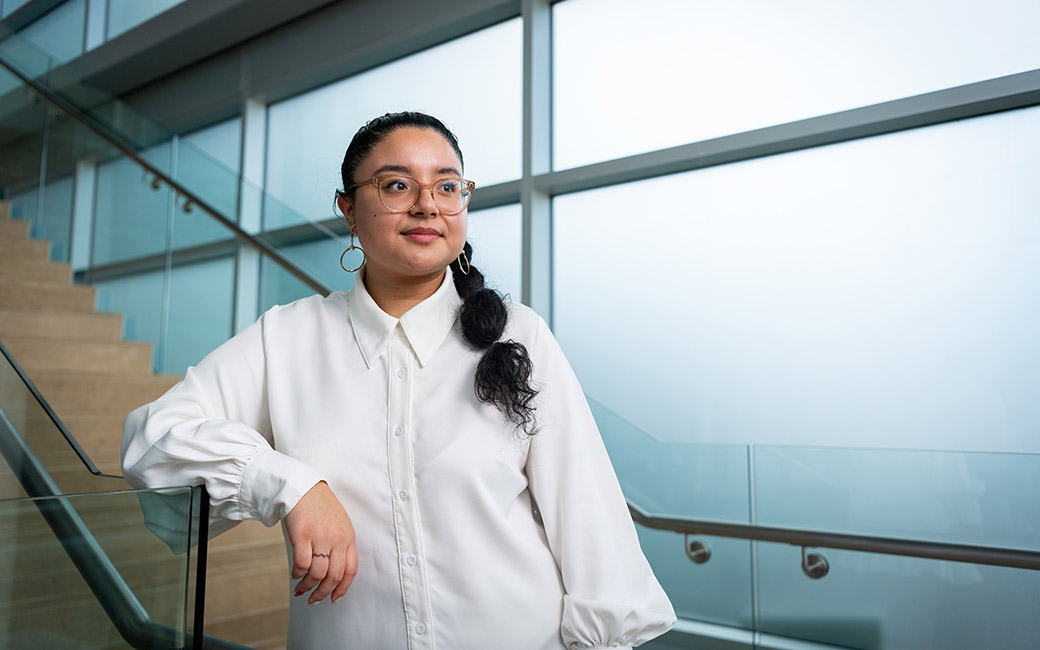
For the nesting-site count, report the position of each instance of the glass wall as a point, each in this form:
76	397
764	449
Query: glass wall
308	134
60	32
123	15
869	293
690	71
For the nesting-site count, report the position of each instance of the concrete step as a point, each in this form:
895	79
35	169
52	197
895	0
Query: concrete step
55	272
19	294
75	394
66	325
5	209
14	228
39	356
24	249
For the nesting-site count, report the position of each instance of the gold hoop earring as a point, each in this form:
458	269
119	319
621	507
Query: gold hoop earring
352	247
463	258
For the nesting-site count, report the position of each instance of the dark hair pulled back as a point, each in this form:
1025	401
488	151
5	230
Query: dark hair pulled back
503	376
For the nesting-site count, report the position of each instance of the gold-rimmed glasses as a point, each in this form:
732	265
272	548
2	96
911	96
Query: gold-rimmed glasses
400	193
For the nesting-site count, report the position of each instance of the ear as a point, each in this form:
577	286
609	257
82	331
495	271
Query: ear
346	206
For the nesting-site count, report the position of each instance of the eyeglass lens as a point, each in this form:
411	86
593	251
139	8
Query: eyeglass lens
400	193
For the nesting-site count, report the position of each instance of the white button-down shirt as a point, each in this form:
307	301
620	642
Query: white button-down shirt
469	533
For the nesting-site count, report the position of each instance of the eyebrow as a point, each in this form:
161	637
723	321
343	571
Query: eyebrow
407	170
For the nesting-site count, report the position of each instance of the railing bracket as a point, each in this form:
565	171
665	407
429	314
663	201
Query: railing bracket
814	564
697	550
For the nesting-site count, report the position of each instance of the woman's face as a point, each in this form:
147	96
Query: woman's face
419	243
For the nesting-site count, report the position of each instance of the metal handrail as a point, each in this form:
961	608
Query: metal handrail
975	554
49	412
116	140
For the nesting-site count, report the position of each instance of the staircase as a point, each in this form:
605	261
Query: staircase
92	379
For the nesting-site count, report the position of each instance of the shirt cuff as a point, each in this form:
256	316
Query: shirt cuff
272	485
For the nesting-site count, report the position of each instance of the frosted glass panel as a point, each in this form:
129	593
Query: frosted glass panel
59	33
124	15
629	78
307	135
496	238
880	293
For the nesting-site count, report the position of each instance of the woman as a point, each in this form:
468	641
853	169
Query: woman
420	411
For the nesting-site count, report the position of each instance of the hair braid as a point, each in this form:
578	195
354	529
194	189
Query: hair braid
503	377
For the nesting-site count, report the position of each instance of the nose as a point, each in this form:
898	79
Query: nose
425	203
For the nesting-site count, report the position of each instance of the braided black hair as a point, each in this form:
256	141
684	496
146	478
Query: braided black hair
503	376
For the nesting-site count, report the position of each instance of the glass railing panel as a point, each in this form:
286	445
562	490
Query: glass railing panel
319	258
69	470
131	216
947	496
879	601
200	313
47	543
698	481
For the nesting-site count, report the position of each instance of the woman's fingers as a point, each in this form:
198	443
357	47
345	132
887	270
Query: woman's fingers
301	559
318	571
331	579
322	537
350	566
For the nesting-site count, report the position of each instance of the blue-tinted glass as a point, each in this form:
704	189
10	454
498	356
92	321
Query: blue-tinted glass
320	258
876	293
56	218
130	216
59	33
958	497
140	299
690	71
307	135
10	6
207	165
495	236
124	15
201	304
881	602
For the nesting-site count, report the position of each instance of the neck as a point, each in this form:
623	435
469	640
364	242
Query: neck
395	295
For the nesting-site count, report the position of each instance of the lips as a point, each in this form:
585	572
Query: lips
422	235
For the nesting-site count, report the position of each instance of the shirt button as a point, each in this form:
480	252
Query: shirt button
403	494
420	629
411	560
401	373
398	431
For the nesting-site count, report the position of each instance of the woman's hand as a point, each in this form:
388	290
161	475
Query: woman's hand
322	538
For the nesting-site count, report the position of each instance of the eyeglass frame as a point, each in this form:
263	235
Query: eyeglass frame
376	180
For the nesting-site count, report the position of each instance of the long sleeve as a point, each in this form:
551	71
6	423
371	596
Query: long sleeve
213	428
612	598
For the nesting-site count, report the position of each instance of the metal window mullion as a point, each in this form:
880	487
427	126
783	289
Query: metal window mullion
972	100
536	205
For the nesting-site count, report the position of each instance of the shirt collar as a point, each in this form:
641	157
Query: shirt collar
425	325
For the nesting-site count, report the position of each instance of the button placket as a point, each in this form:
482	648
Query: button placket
406	517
